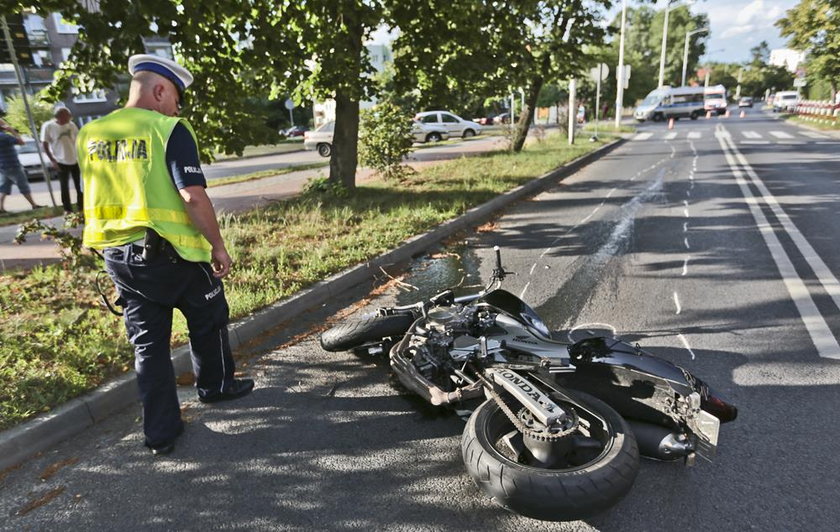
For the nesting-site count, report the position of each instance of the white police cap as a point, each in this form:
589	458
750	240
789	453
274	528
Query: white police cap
167	68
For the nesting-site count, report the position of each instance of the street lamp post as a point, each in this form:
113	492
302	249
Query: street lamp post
668	9
664	43
619	93
685	51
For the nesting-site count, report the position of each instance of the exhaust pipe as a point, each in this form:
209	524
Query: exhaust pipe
660	443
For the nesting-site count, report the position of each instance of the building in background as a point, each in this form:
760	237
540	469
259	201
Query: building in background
785	57
50	40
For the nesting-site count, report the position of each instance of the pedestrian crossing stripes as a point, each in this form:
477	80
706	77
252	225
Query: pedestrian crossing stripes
814	135
781	135
749	136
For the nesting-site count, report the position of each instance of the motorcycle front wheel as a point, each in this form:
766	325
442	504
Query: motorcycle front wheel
372	329
597	467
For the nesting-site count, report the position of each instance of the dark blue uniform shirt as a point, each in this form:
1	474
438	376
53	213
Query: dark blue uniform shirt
8	153
182	159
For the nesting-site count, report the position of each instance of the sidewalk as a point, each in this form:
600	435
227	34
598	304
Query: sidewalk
237	197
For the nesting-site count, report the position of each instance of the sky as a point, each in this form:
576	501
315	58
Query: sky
738	25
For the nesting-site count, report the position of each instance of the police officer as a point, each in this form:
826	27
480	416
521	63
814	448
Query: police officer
146	207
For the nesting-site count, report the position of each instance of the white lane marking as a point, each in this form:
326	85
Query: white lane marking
814	134
677	302
688	347
685	241
521	295
751	134
685	266
643	136
591	214
685	227
755	142
781	135
671	136
792	142
815	324
694	135
823	272
827	142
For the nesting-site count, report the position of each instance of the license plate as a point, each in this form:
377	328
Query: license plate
707	428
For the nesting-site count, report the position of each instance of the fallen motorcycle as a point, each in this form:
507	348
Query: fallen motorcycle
560	426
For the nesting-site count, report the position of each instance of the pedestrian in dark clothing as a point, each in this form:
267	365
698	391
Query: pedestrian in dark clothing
146	207
11	172
58	137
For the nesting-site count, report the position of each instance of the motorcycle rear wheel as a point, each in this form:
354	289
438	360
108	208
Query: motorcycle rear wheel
353	334
558	494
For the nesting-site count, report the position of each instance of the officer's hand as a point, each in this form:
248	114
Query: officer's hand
221	262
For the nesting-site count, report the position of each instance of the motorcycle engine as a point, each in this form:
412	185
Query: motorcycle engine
435	340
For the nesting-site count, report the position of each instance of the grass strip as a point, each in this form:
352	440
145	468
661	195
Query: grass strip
14	218
57	342
833	126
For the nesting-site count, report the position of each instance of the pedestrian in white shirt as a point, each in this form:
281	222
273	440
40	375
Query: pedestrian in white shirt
59	139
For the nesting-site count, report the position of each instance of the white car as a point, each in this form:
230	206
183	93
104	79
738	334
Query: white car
428	132
29	160
321	139
454	124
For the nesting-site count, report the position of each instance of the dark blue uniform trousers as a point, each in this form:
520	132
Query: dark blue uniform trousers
150	291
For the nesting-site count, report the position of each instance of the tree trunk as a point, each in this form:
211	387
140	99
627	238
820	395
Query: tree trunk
345	154
527	114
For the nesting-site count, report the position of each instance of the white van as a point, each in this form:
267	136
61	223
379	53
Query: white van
714	99
671	102
785	100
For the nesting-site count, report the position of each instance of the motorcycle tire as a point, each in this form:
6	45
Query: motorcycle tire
353	334
562	494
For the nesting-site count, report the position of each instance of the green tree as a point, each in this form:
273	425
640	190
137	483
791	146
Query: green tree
814	26
16	113
385	139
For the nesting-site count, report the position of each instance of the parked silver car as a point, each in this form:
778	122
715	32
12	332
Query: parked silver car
321	139
454	124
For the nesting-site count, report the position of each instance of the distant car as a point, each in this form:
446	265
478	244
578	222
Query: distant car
28	156
295	131
745	101
454	124
503	118
322	138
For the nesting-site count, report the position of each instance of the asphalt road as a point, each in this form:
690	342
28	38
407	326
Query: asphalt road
657	243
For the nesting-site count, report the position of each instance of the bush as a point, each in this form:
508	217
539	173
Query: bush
16	113
385	139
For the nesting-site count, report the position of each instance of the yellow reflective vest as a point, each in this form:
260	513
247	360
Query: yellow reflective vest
122	157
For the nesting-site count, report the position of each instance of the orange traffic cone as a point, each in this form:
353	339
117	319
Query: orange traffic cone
671	123
708	115
743	114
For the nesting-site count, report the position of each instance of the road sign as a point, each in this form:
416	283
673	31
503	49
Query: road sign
605	71
289	104
626	76
800	82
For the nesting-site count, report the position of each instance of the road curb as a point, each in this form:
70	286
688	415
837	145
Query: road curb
45	431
